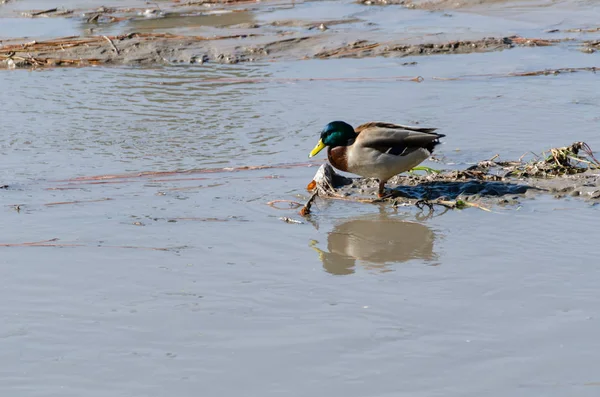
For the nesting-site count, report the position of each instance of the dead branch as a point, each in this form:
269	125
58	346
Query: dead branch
51	10
305	211
112	44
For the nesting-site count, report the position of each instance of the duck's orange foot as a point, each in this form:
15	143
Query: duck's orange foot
385	195
381	191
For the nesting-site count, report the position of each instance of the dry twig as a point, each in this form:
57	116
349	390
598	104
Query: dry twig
112	44
305	211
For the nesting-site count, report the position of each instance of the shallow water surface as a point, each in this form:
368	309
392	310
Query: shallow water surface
187	281
31	28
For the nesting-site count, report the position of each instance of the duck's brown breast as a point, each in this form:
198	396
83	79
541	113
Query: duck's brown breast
338	157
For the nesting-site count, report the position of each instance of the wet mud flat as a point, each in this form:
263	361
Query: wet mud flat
220	35
163	48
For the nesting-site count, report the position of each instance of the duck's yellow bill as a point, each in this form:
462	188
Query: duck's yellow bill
320	146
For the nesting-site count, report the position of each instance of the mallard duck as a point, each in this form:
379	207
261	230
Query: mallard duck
376	149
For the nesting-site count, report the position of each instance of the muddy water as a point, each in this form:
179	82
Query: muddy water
360	301
188	282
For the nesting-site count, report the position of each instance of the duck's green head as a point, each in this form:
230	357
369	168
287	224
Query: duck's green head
336	133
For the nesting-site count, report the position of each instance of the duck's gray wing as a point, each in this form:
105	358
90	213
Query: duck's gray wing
396	140
380	124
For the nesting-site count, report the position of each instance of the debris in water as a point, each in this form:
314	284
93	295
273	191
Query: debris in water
305	211
290	220
291	204
77	202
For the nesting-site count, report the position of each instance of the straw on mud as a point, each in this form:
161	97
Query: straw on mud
77	40
536	42
342	52
11	51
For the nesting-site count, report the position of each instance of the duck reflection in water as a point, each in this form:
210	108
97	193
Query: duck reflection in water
377	242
